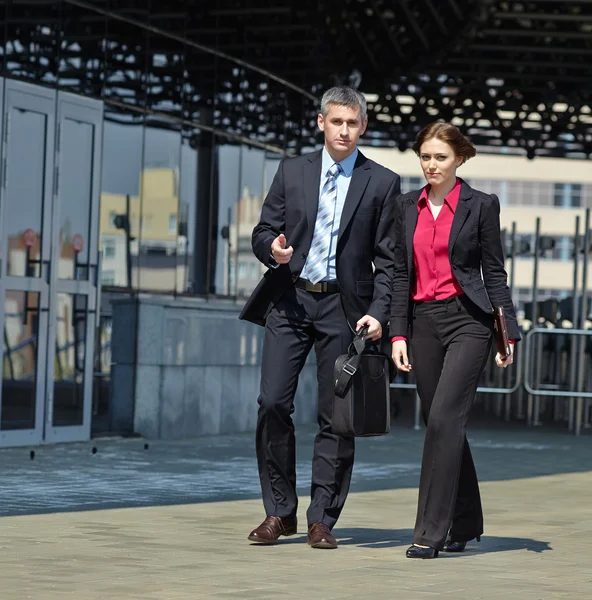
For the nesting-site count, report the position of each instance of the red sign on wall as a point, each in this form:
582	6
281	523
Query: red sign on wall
29	237
77	243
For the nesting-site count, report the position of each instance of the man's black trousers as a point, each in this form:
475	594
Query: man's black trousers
299	321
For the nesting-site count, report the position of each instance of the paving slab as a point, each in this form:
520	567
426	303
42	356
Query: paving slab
169	521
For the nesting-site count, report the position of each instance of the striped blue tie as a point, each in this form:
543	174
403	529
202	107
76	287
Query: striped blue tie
318	258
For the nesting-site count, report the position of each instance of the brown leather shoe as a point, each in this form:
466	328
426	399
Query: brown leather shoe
320	536
270	530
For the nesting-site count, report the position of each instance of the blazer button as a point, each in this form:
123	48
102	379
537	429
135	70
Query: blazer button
303	255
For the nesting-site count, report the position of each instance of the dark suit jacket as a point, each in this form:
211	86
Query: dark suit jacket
364	236
475	251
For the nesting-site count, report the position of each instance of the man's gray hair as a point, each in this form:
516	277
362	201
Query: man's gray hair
343	96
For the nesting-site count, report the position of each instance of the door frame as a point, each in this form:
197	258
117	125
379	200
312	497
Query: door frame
57	106
87	110
37	99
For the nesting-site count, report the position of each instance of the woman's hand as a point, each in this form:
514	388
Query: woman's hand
504	362
400	356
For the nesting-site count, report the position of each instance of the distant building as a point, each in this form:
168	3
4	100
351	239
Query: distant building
554	190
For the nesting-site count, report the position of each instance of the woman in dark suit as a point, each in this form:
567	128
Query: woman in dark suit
448	275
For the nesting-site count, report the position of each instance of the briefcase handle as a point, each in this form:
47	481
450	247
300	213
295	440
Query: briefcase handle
358	344
350	366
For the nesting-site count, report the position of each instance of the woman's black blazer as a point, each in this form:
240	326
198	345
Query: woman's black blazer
475	252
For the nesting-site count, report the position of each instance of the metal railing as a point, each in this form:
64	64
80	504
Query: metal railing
527	351
507	391
577	376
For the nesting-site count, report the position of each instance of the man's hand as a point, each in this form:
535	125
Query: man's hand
508	360
400	356
280	253
374	327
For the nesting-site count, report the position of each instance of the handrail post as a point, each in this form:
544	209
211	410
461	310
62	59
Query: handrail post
573	347
583	318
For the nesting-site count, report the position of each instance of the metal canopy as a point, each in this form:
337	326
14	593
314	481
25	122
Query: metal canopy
515	75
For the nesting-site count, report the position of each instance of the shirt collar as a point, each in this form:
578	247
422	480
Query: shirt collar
451	199
347	164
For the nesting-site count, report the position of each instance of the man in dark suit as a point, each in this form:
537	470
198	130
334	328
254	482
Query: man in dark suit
324	233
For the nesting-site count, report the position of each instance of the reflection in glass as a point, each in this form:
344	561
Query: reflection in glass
19	363
165	71
102	372
159	207
242	175
3	20
247	269
187	211
229	178
200	85
25	174
31	28
75	72
123	78
75	198
120	199
70	353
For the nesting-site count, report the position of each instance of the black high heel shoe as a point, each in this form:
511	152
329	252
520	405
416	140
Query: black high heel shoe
418	552
450	546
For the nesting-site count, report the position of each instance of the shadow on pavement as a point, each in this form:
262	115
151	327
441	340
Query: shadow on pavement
365	537
376	538
120	473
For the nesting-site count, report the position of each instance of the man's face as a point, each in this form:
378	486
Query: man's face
342	127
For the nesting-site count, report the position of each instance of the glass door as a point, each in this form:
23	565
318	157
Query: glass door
74	269
27	134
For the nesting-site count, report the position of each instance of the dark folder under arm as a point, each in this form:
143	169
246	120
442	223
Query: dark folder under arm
502	342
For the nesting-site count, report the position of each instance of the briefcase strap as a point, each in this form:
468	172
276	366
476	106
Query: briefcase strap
351	365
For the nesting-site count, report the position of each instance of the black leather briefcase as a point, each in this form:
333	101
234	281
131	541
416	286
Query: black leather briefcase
361	406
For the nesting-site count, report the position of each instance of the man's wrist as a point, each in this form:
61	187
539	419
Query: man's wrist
273	263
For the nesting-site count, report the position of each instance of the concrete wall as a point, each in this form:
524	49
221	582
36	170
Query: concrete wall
193	371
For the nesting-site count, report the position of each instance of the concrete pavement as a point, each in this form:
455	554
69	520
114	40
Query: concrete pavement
170	522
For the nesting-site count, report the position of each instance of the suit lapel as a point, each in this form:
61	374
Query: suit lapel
460	216
410	225
312	182
357	186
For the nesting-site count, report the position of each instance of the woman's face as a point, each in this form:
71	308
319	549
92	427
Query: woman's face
439	162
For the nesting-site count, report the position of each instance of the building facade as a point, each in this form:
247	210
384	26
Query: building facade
124	155
134	165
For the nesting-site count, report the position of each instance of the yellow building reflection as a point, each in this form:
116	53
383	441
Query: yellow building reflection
156	248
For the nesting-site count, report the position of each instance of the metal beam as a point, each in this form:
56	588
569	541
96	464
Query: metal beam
521	76
414	25
247	11
437	19
508	62
552	33
269	44
533	49
192	44
392	39
362	41
514	15
456	8
279	28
